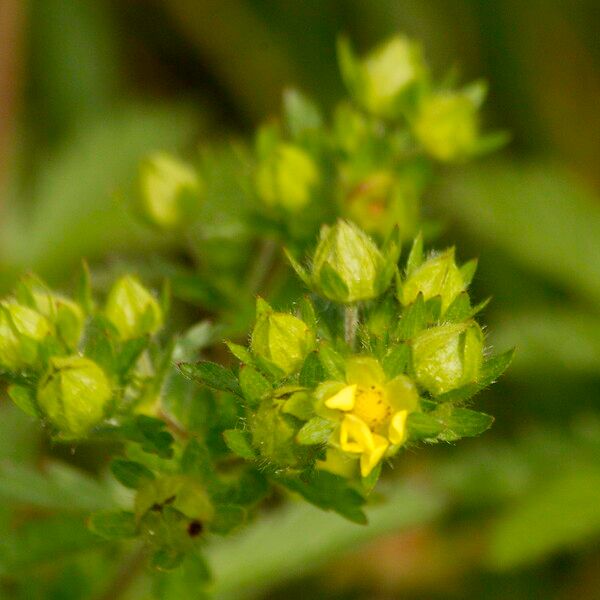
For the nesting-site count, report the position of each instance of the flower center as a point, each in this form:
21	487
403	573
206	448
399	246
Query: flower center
371	406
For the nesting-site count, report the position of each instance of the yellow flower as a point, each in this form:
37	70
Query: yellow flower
372	411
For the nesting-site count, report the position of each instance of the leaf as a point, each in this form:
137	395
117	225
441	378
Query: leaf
131	474
196	461
329	492
211	375
301	113
113	524
423	426
413	319
228	518
396	361
494	366
332	362
316	431
254	386
459	310
24	398
312	372
241	353
463	422
239	443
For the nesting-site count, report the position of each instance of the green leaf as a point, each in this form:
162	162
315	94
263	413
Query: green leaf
196	461
24	398
130	474
228	518
329	492
494	366
301	113
211	375
463	422
316	431
241	353
113	524
254	386
332	362
459	310
423	426
239	443
312	372
413	319
395	362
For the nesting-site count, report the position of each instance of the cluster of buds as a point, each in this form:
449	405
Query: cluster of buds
49	350
325	392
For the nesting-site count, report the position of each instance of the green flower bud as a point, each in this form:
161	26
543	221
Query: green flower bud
383	80
287	177
67	315
21	330
281	338
447	357
74	394
167	188
447	126
438	276
379	202
132	309
347	265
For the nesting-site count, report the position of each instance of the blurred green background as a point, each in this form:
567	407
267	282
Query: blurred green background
88	86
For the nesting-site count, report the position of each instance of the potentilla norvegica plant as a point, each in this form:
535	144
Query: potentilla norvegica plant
378	353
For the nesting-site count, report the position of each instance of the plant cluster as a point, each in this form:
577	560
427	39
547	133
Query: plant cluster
376	354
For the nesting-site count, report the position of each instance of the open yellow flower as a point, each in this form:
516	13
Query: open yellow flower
372	411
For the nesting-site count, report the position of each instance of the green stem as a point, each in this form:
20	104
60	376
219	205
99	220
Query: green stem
350	324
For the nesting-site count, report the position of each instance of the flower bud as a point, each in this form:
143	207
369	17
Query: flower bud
132	309
21	330
448	356
347	265
167	186
73	394
287	177
379	202
448	126
281	338
383	80
67	315
438	276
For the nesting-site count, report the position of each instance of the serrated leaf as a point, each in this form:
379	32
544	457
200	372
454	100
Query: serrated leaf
113	524
329	492
254	386
239	443
316	431
131	474
211	375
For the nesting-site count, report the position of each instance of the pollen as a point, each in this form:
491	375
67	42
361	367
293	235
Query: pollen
372	407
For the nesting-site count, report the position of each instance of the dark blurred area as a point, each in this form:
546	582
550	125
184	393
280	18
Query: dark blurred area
89	86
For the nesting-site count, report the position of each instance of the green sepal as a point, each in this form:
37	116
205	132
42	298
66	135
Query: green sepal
211	375
413	319
239	443
113	524
396	361
328	492
332	362
241	353
316	431
415	257
254	386
24	398
300	405
131	474
312	372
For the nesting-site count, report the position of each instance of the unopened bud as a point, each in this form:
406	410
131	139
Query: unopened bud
132	309
167	187
74	394
281	338
287	177
448	356
21	330
67	315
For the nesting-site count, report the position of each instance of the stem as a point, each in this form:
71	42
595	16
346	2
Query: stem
262	265
350	324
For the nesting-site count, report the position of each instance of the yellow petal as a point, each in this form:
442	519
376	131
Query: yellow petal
355	436
397	431
343	400
370	459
